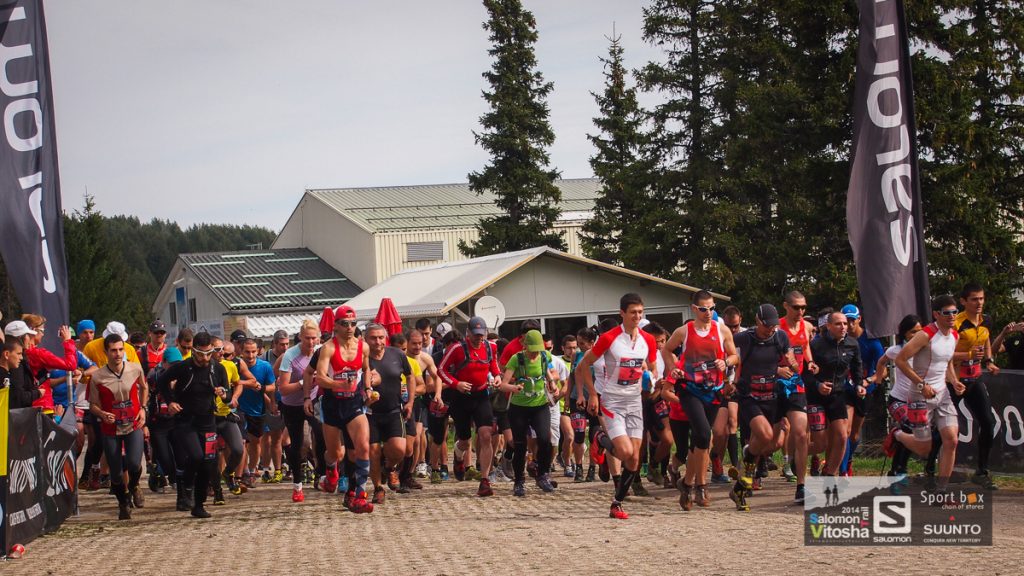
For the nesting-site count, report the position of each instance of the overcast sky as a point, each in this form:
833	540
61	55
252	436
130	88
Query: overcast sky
225	111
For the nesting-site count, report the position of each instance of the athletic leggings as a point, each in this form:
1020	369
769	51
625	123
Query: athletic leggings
521	419
294	419
701	416
132	444
232	436
191	443
681	435
95	450
161	443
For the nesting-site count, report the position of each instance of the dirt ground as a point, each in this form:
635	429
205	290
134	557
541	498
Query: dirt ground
447	529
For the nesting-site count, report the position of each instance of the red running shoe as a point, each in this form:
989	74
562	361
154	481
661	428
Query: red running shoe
350	496
329	483
379	494
617	512
298	496
485	488
360	505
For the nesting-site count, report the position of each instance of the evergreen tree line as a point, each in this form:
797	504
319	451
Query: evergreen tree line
736	181
117	264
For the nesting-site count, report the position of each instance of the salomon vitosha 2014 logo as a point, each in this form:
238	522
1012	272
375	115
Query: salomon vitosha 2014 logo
873	511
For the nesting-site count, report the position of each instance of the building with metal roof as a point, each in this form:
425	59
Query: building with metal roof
259	291
566	292
369	234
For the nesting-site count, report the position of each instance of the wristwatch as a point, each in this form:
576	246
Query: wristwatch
920	386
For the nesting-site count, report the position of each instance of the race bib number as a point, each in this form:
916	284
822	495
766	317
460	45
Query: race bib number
347	384
210	446
124	417
631	371
815	418
762	388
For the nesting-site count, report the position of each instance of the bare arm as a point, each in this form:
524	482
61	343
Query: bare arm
677	339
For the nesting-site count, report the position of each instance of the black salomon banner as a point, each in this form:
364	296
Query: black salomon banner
58	464
1006	391
883	204
25	489
30	210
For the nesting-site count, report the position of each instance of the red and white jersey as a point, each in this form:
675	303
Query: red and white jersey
624	359
930	362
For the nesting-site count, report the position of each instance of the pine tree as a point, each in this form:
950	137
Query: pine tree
619	231
516	135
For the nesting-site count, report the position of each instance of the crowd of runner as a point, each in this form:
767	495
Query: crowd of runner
346	408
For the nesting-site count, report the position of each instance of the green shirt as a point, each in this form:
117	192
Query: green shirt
532	379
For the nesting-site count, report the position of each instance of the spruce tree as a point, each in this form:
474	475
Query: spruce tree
516	134
619	231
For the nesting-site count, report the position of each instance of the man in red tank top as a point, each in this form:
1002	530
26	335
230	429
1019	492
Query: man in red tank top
796	438
343	375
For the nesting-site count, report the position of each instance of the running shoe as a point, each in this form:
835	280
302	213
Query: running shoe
298	495
603	471
701	496
799	498
435	477
343	484
984	480
265	477
498	475
771	465
412	483
506	467
654	475
761	470
579	475
788	474
472	474
393	482
638	488
591	471
570	471
444	472
644	469
544	483
485	488
685	497
153	481
359	504
350	497
94	480
459	470
329	483
531	469
674	476
744	481
720	478
379	495
218	497
757	484
422	471
519	489
104	481
278	477
738	495
815	465
559	461
617	512
249	480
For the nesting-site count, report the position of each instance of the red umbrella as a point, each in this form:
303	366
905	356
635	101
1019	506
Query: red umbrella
327	320
387	316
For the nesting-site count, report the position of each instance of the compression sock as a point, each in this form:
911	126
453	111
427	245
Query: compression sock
624	483
362	472
733	445
406	471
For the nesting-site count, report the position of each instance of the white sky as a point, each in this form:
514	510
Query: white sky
225	110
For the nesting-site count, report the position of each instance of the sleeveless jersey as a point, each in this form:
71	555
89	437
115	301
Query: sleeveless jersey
797	342
348	373
972	337
699	355
930	362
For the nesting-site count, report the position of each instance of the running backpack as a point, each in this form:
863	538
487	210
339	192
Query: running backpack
466	357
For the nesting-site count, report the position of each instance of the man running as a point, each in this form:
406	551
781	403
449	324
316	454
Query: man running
468	369
871	351
254	402
793	402
289	382
387	429
426	382
343	376
625	350
927	363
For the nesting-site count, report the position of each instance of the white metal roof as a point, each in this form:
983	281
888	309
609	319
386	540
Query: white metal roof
264	326
436	290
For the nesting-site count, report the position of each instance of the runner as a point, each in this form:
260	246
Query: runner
723	439
699	376
289	382
908	327
117	397
625	349
927	362
764	400
161	429
500	407
386	413
569	348
794	403
871	351
974	352
190	400
343	376
656	414
426	382
840	373
437	414
254	403
584	424
530	378
227	421
468	369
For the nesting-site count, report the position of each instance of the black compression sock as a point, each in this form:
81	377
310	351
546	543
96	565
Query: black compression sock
734	448
624	483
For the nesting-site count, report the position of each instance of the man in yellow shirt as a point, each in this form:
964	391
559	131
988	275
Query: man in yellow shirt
94	349
227	425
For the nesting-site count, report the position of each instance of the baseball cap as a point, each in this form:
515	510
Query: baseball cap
344	312
18	329
478	326
768	315
85	325
238	334
851	311
534	341
157	326
172	354
441	329
115	327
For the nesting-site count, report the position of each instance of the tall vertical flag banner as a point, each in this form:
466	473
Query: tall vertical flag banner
31	221
883	203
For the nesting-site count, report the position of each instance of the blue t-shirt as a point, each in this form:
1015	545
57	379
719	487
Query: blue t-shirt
871	350
251	401
60	391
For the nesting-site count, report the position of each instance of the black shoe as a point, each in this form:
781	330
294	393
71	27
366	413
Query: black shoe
182	505
199	512
544	483
579	475
519	489
638	487
591	471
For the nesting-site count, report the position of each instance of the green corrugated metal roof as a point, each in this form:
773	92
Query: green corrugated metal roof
395	208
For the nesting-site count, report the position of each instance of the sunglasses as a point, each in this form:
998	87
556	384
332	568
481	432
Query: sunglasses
204	353
705	309
218	349
952	312
346	323
733	326
229	355
798	307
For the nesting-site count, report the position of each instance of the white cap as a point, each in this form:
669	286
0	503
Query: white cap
18	329
441	329
114	327
643	322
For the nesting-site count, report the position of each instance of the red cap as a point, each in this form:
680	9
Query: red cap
344	312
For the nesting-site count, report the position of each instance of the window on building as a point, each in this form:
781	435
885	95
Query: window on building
192	316
172	314
424	251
